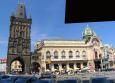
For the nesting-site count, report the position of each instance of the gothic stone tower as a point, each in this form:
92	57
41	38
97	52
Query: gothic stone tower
19	45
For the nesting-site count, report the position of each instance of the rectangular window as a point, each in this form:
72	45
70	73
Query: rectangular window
78	65
63	57
56	66
71	56
84	55
47	66
71	65
77	56
84	64
64	66
56	57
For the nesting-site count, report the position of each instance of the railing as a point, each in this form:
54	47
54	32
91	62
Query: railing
67	58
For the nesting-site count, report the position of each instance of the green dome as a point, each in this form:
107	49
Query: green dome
88	31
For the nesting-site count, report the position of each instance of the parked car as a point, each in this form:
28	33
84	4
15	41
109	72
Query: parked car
8	80
108	69
47	75
32	80
21	79
4	77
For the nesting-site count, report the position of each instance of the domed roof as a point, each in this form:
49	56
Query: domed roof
88	31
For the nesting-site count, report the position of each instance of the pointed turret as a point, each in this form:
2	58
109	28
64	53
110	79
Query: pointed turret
88	32
21	10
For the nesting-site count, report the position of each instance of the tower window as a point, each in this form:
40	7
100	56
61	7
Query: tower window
21	14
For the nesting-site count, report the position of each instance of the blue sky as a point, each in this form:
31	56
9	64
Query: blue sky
48	23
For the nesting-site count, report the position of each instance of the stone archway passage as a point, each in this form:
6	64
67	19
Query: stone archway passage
36	67
17	65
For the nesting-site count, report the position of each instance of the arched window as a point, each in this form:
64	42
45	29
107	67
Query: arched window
96	57
48	54
70	54
63	54
56	54
84	53
77	54
100	56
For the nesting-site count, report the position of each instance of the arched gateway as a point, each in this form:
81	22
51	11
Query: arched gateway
19	45
17	65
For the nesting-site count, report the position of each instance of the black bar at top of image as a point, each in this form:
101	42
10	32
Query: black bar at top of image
78	11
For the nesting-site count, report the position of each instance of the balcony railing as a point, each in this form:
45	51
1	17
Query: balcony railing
67	58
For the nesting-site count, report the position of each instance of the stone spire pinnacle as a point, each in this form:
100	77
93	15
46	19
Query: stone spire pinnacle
20	1
21	9
87	25
88	32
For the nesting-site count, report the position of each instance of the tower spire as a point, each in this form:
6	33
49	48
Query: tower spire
20	1
21	9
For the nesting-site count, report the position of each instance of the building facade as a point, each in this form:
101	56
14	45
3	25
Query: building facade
19	44
3	65
73	54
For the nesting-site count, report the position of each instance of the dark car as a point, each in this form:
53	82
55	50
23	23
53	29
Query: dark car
21	79
4	77
42	81
31	80
47	75
8	80
108	69
99	80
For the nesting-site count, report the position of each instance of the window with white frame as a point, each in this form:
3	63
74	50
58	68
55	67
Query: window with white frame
48	54
70	54
63	55
84	53
56	54
77	54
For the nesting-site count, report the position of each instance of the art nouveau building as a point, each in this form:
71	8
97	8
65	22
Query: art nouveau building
73	54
